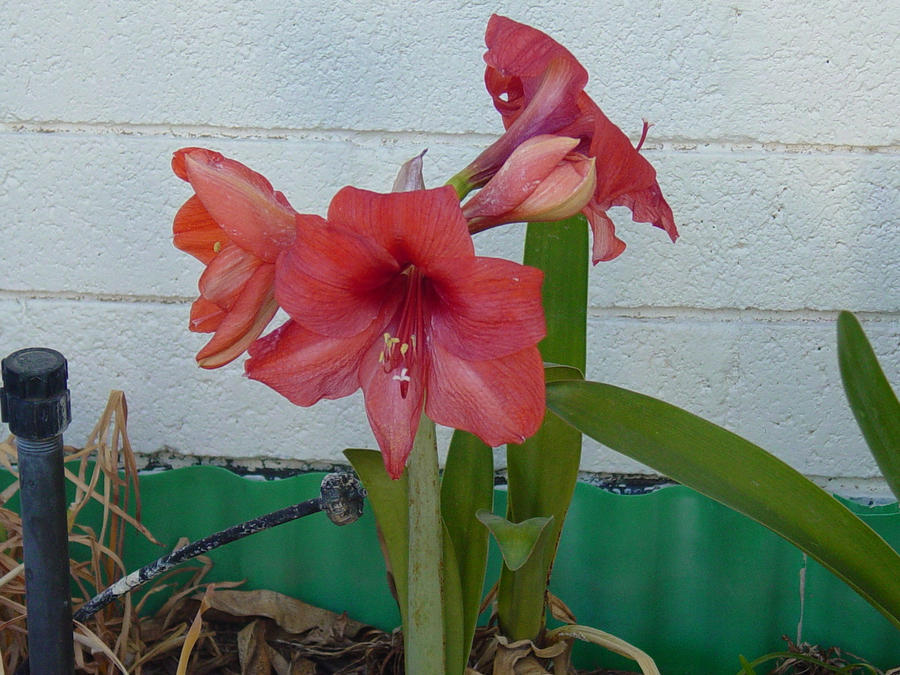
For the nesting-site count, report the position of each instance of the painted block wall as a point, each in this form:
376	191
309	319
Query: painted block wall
775	140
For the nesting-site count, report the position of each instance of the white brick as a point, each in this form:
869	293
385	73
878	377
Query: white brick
776	147
775	382
146	350
766	230
819	73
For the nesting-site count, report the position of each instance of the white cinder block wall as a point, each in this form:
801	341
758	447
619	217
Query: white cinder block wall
775	139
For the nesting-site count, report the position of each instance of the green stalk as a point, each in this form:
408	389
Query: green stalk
424	641
543	470
461	184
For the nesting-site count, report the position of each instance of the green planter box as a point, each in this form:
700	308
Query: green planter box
687	580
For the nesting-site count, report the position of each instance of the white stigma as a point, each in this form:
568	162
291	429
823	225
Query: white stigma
403	376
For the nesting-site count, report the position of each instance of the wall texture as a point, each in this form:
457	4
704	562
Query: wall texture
775	139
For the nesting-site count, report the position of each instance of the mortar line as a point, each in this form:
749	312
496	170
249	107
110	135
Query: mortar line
7	294
656	143
635	313
730	314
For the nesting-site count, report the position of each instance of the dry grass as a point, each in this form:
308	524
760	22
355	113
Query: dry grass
116	639
201	627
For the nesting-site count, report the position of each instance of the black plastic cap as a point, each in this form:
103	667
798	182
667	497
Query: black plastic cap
34	400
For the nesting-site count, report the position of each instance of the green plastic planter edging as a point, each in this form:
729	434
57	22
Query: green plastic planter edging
687	580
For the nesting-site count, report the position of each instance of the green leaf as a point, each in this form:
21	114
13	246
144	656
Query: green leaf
561	250
746	668
558	371
739	474
467	486
456	649
543	470
515	540
390	504
871	398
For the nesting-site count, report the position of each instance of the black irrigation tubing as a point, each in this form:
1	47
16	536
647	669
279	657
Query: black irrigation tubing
341	497
35	402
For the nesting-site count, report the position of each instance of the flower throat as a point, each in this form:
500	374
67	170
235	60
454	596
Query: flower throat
401	350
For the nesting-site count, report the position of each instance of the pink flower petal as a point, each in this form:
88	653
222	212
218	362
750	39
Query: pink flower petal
414	227
333	281
306	367
499	400
488	308
240	200
394	418
246	319
196	232
225	276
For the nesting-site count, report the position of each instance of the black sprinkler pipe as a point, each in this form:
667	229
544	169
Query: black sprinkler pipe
340	497
35	403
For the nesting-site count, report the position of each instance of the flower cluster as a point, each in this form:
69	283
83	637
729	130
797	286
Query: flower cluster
538	88
386	294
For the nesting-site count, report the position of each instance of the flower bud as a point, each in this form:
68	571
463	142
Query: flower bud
543	180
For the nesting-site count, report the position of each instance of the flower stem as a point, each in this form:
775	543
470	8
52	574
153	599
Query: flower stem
425	652
461	184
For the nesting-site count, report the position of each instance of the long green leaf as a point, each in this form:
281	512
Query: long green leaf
740	475
871	398
456	649
467	486
390	503
543	470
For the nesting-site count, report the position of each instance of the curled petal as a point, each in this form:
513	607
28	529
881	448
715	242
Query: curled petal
563	194
196	232
206	316
541	181
489	308
606	245
226	275
240	200
499	400
245	320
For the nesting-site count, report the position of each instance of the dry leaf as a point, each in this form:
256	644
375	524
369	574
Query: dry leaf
193	633
253	650
292	615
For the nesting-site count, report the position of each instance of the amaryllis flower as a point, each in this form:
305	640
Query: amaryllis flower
236	225
388	295
537	86
543	180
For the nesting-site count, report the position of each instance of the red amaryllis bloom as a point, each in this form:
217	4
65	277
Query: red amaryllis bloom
236	225
388	295
543	180
537	86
